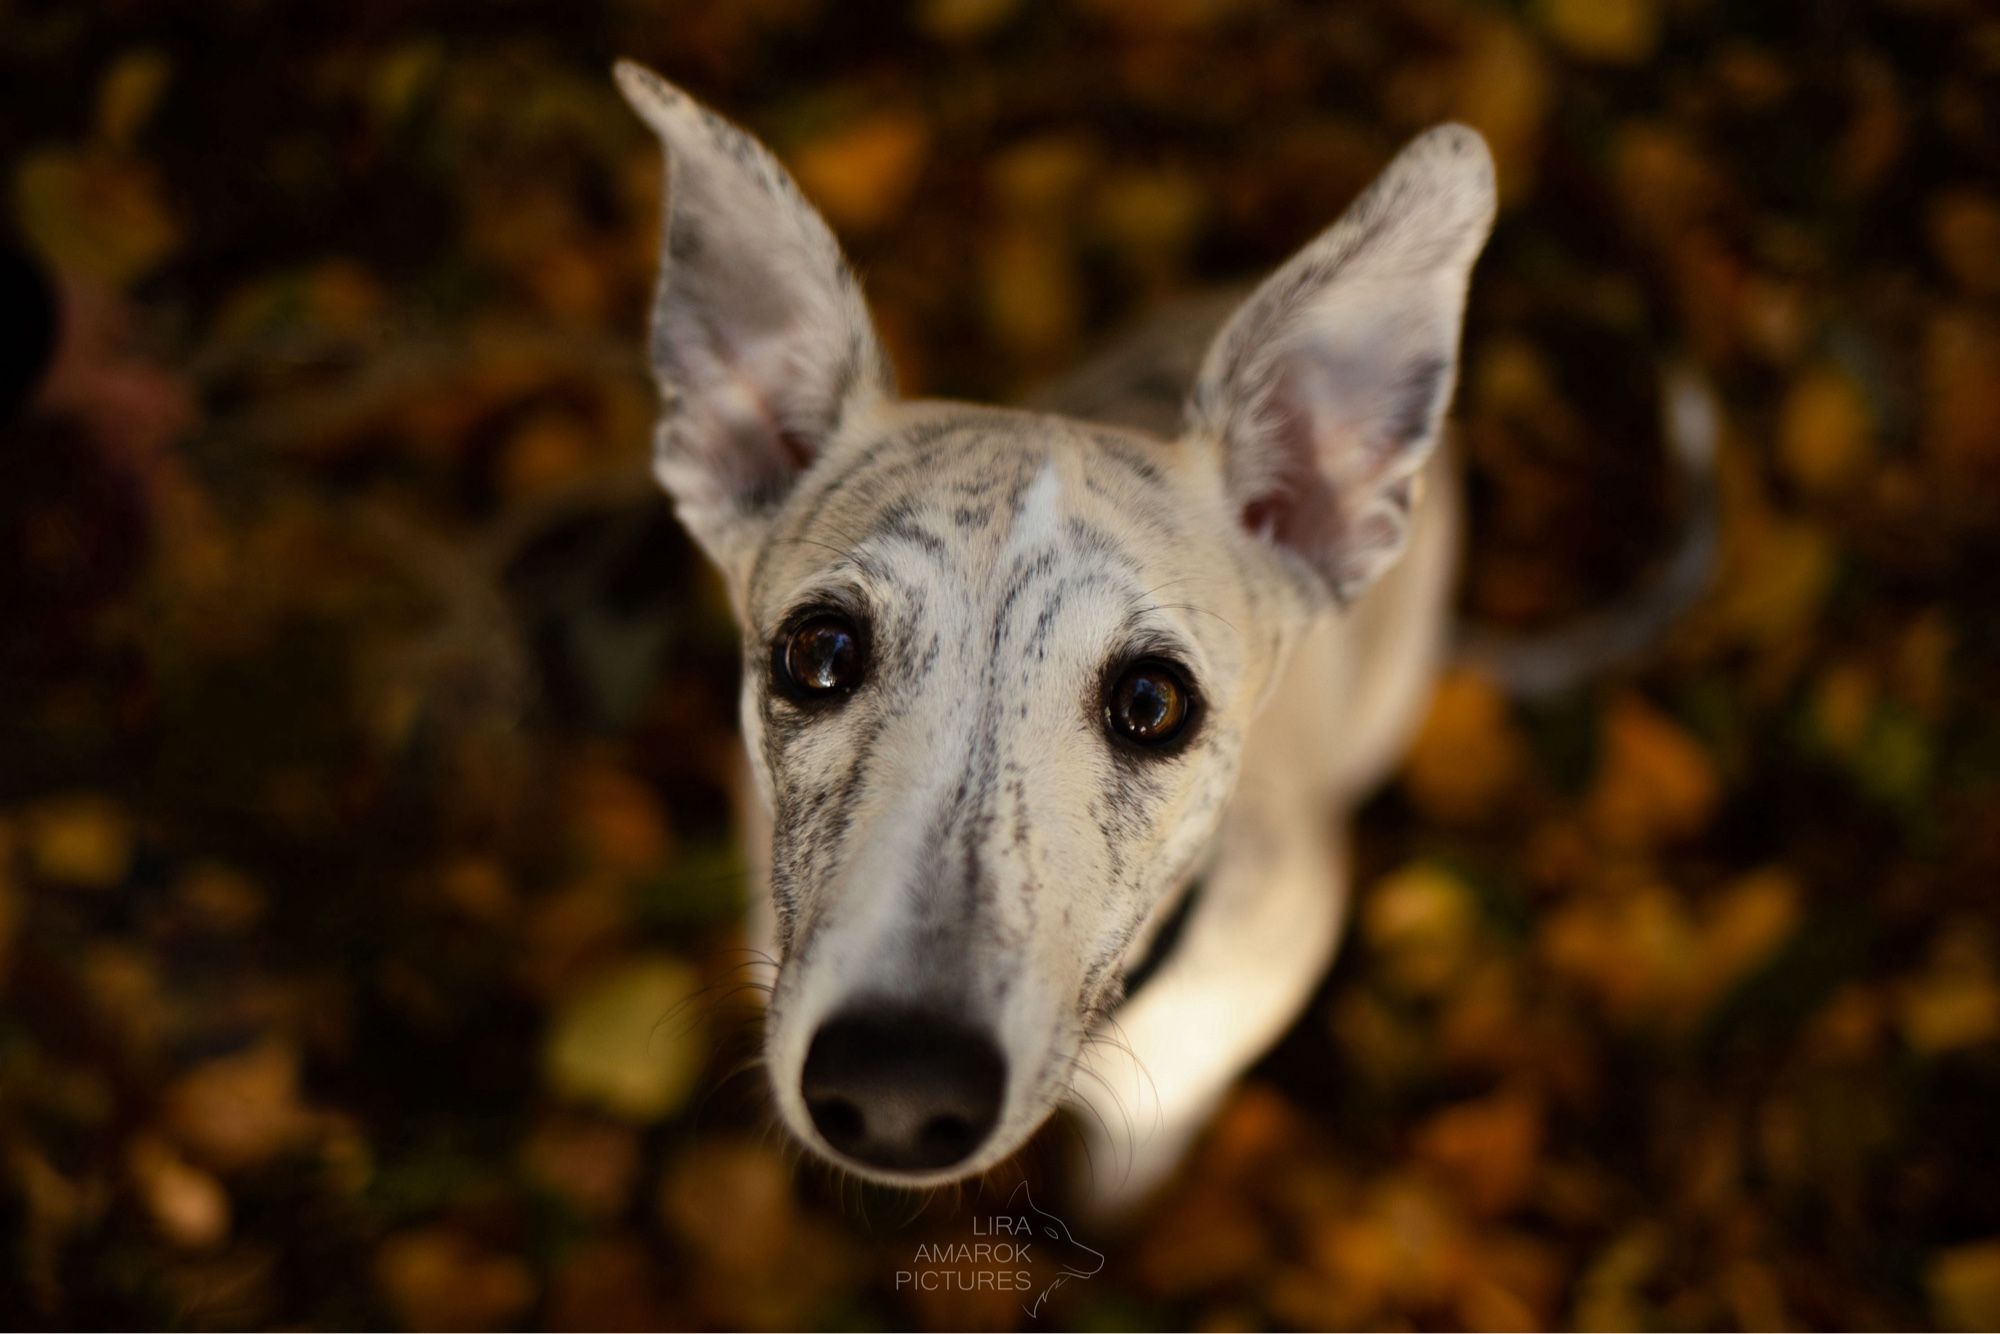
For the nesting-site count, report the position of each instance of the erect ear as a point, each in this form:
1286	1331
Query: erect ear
761	342
1325	390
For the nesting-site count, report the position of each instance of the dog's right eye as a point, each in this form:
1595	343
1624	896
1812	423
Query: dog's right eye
819	657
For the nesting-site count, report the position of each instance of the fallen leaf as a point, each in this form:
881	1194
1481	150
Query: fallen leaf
130	91
964	20
1621	32
188	1205
589	1164
81	840
1955	1001
103	215
629	1040
1502	88
862	175
1419	923
1964	1286
612	1283
1488	1147
242	1109
1468	757
1824	430
1964	229
1654	782
1961	396
439	1278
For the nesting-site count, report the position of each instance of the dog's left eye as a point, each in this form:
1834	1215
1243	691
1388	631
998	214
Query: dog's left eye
820	656
1149	704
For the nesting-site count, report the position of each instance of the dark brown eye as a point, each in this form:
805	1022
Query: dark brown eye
820	656
1148	704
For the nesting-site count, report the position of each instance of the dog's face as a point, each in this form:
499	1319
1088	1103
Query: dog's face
999	666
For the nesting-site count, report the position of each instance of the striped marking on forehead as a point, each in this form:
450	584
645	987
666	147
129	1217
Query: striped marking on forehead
1038	517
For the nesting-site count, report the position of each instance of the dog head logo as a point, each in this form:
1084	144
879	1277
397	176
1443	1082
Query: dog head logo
1073	1259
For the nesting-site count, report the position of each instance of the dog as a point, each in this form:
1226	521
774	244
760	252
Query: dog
1057	723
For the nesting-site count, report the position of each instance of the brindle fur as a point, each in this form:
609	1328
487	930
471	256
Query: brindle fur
961	833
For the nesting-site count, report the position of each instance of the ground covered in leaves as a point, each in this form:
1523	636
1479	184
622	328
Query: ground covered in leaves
366	746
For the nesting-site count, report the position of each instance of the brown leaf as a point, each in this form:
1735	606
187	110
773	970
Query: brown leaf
629	1040
439	1278
1467	758
83	840
188	1205
1488	1147
612	1284
1824	432
590	1164
1654	782
99	214
862	175
1965	232
239	1110
1964	1285
1621	32
1419	923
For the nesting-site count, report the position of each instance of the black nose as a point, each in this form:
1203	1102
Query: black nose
903	1089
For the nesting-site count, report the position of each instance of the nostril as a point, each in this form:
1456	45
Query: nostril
839	1120
902	1088
948	1134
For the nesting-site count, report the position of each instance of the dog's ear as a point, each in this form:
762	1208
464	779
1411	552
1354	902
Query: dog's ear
761	342
1325	390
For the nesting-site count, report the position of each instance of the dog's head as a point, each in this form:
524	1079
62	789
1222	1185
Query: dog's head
998	665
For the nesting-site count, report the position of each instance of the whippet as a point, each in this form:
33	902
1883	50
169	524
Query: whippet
1057	723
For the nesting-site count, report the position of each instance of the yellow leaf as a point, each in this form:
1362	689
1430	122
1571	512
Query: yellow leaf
1823	433
1961	395
82	840
1748	921
130	91
1965	232
188	1205
1955	1002
1622	32
1489	1146
1150	218
619	818
861	176
1634	949
731	1202
1964	1286
242	1109
630	1040
964	20
439	1278
1502	89
547	450
1420	921
588	1163
1654	783
102	215
1042	174
609	1282
1844	707
1033	297
1468	757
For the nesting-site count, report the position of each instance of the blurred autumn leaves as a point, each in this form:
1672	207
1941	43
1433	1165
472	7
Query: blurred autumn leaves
368	891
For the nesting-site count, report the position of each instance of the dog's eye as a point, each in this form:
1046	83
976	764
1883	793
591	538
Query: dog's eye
820	656
1148	704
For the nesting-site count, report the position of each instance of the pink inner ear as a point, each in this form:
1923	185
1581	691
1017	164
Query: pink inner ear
797	450
1296	506
1260	517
